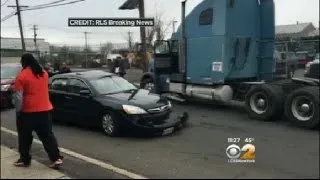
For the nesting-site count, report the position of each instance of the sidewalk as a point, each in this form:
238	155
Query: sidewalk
35	171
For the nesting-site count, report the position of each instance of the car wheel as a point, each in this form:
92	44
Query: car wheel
109	124
265	102
302	107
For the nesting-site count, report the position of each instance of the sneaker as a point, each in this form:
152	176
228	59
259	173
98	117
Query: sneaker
20	163
56	164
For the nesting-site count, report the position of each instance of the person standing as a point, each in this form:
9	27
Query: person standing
33	110
65	68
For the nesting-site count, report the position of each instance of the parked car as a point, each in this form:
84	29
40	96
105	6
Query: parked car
99	98
303	58
9	72
312	69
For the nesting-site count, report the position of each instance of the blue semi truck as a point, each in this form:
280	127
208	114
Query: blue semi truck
224	51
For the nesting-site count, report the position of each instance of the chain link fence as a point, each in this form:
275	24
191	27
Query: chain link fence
292	55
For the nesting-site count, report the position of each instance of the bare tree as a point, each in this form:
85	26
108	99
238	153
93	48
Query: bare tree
129	39
160	29
106	48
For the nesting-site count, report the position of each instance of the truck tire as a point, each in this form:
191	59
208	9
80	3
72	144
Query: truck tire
148	83
302	107
265	102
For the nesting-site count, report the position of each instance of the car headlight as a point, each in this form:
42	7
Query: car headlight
5	87
133	109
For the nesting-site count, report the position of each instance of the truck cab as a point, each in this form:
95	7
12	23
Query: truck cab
224	41
224	51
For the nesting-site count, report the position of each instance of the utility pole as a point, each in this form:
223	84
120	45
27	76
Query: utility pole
143	36
34	28
86	45
130	40
20	24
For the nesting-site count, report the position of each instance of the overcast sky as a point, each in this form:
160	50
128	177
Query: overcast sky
52	22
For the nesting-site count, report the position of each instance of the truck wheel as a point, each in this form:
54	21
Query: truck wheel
302	107
265	102
148	84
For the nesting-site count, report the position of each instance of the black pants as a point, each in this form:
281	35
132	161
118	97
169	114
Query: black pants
41	123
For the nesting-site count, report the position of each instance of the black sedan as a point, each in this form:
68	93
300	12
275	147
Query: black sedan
103	99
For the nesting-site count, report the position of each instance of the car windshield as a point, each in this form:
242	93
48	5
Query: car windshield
112	85
9	72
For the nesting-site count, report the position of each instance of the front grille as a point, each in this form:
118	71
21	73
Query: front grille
159	109
155	118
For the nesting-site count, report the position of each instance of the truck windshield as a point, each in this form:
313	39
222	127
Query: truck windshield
162	47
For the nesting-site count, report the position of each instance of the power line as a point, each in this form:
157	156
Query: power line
4	3
35	8
54	2
39	7
9	16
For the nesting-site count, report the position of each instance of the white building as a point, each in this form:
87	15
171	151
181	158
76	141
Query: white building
15	44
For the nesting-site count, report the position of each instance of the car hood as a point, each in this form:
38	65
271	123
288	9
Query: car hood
7	81
142	99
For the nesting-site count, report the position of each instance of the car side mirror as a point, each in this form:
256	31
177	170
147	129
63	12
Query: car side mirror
85	92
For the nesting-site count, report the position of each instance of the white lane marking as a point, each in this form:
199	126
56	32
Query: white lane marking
87	159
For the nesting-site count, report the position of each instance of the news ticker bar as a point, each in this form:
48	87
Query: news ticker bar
125	22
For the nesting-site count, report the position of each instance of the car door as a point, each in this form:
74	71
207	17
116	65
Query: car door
83	108
57	92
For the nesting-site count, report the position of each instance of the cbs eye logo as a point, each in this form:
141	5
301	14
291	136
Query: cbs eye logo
234	151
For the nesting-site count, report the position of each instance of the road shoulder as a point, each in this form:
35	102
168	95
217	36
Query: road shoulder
35	171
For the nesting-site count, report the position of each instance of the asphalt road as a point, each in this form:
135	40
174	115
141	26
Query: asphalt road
198	151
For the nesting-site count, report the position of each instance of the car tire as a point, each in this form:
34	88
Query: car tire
270	100
295	116
109	124
148	84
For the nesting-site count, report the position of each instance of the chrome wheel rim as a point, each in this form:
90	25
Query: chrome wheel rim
259	103
302	108
107	124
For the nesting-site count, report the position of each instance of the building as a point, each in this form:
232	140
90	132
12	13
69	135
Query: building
15	44
297	37
314	33
11	48
298	30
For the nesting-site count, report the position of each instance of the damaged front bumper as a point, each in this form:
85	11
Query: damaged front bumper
157	124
